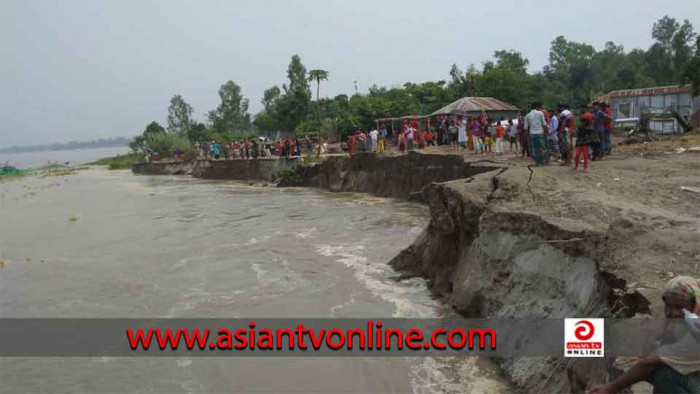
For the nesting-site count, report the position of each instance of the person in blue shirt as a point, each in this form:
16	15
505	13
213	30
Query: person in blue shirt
215	149
599	129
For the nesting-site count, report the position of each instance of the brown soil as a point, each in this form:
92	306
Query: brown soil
652	225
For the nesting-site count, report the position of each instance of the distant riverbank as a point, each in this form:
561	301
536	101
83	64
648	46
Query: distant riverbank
72	145
75	157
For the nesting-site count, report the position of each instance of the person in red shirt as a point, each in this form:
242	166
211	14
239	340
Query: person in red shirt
429	138
499	138
584	138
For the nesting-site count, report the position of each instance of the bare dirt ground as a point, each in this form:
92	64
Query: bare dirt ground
634	196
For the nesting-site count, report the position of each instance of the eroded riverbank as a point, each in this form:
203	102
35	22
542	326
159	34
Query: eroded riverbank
506	239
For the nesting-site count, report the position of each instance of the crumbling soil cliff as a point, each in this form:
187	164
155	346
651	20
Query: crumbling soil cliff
548	242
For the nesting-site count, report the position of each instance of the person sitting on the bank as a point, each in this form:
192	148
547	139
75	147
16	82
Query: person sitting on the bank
674	368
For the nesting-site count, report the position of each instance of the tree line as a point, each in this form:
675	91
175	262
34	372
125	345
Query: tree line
575	73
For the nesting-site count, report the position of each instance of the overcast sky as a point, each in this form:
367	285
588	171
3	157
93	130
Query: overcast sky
80	70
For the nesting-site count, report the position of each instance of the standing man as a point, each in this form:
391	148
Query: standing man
374	137
499	137
599	130
535	124
452	133
607	123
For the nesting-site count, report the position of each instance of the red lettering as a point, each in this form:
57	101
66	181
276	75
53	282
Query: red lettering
482	340
316	344
399	339
356	332
240	336
433	338
224	340
340	343
451	336
290	335
265	339
300	337
140	338
414	339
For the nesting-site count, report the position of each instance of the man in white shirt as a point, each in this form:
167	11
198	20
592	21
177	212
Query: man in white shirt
410	138
374	135
536	124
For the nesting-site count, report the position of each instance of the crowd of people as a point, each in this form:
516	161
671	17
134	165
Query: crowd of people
248	149
543	135
547	134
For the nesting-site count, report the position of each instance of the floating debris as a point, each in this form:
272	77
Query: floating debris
73	219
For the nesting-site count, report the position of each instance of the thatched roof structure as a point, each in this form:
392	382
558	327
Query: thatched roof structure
478	105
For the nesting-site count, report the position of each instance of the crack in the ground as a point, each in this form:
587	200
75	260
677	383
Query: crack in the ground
494	180
532	172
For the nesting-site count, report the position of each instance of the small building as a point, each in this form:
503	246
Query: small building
627	105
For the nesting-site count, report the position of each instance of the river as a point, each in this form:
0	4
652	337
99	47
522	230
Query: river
111	244
75	156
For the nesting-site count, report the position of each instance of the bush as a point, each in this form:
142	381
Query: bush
120	162
166	143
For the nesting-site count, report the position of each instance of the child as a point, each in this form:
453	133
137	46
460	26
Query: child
585	136
512	136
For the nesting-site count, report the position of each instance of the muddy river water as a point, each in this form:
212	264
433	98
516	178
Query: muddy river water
111	244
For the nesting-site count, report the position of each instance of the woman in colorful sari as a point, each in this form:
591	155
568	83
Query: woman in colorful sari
470	135
402	143
675	367
523	137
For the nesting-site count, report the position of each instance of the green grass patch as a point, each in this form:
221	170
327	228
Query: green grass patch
120	162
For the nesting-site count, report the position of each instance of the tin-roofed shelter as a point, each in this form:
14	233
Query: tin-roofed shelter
473	106
629	104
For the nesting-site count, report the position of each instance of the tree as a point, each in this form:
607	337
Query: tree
691	72
293	106
318	75
153	128
270	96
296	73
232	114
511	60
179	115
672	49
681	45
571	64
198	132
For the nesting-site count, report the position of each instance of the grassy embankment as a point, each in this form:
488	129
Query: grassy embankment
120	162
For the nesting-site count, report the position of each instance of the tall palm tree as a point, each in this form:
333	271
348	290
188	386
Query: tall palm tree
318	75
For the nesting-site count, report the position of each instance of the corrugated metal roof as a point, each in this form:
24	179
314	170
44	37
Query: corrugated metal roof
475	104
654	91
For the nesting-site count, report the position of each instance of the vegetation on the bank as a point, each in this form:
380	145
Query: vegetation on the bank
576	73
120	162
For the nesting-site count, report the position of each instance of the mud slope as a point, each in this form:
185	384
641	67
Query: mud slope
511	243
387	176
